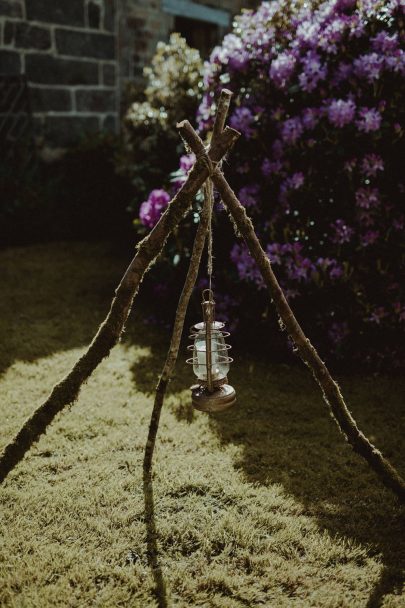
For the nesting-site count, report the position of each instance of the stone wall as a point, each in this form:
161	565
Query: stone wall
77	55
67	50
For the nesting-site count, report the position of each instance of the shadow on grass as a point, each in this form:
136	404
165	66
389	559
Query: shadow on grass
288	438
151	542
53	297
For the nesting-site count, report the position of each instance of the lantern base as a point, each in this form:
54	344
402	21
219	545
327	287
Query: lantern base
220	399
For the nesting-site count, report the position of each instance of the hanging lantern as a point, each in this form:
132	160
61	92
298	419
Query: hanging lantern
210	361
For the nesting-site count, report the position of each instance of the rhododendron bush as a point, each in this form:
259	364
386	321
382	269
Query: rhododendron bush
320	103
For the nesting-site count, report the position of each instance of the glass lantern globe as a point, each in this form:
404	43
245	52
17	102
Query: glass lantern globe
220	363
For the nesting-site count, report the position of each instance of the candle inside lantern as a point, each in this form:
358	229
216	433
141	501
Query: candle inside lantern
219	359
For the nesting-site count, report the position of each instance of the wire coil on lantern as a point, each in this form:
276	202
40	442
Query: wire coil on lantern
210	361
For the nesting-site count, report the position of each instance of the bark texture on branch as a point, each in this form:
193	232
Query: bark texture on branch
330	389
109	332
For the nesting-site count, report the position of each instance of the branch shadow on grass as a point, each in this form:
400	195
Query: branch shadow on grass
288	438
151	541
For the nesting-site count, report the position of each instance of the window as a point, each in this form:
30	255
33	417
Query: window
202	26
198	34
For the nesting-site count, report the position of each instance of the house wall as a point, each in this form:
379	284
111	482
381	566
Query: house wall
77	55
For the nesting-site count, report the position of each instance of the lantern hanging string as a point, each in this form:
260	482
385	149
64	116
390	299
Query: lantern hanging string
209	200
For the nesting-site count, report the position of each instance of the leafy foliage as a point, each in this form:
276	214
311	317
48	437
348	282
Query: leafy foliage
172	93
79	196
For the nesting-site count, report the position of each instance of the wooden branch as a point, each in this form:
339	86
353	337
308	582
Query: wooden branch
110	330
221	114
187	133
330	389
173	352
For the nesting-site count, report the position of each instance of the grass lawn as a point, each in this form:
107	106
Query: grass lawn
262	506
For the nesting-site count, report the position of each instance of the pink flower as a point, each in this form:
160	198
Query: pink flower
151	209
186	162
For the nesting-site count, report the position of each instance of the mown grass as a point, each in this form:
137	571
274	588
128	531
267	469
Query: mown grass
262	506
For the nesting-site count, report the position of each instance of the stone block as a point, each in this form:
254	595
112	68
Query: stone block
110	123
67	130
136	23
10	62
109	15
50	99
96	100
109	75
82	44
94	15
66	12
137	72
45	69
10	8
26	36
8	32
13	96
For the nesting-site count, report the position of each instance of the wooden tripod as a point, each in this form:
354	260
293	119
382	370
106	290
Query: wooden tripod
109	332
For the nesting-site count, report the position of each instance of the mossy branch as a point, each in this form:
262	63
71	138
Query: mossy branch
191	277
330	389
109	332
173	352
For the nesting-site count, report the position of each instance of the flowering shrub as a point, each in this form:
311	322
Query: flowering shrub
320	104
151	143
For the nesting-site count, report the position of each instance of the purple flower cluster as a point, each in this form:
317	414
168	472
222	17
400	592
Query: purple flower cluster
372	164
242	120
342	233
313	71
293	182
248	195
297	268
151	209
281	69
291	130
369	120
341	112
367	198
246	266
338	332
